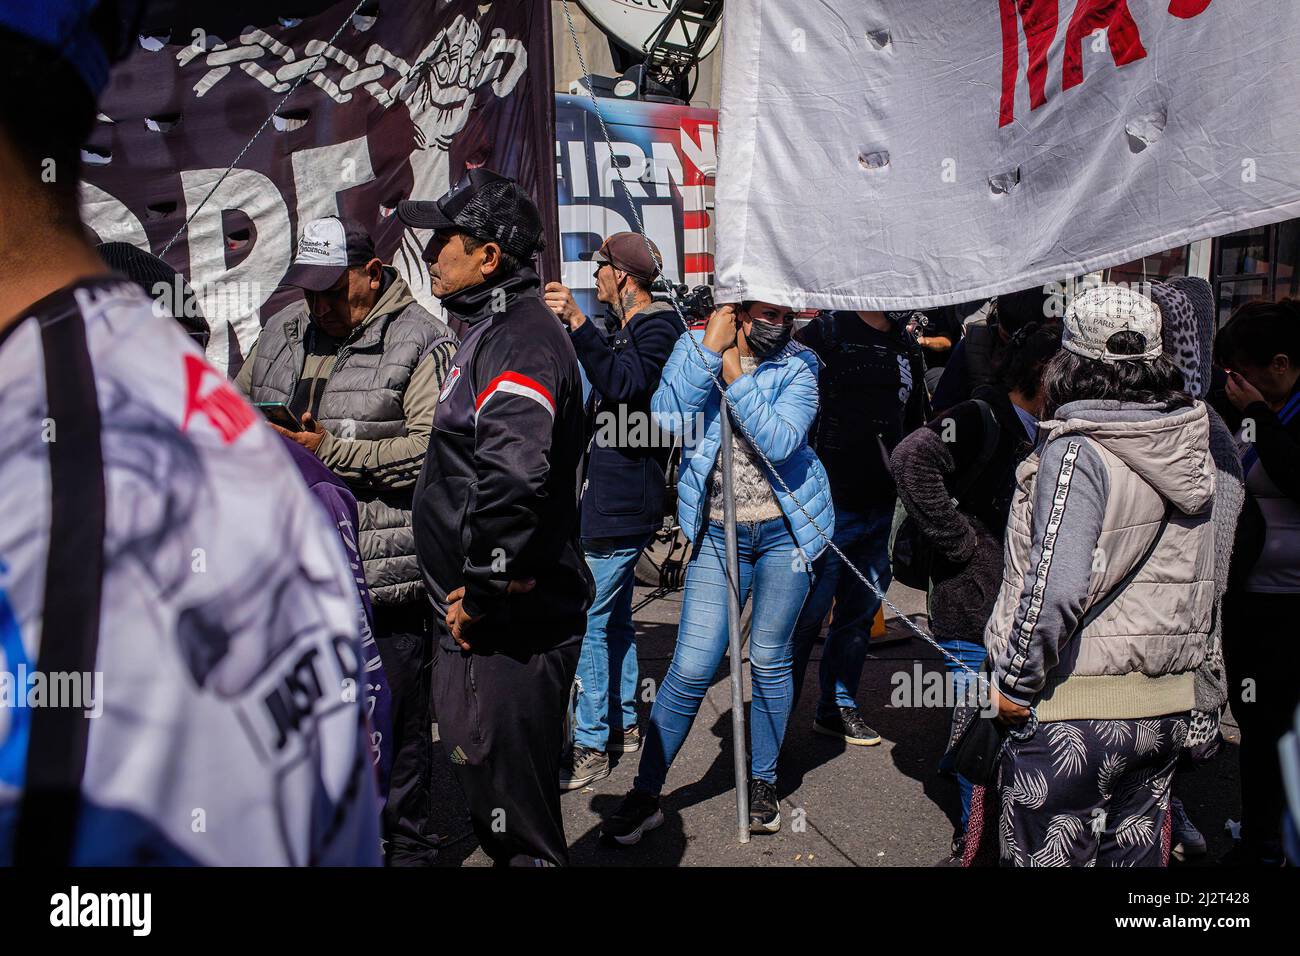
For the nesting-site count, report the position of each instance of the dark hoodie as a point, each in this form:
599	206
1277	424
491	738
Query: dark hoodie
961	512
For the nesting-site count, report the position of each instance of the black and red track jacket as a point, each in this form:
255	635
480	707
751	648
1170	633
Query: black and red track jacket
497	499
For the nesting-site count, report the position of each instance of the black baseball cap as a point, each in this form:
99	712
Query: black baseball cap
327	249
485	205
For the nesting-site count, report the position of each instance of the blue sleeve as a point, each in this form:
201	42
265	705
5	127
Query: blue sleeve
686	384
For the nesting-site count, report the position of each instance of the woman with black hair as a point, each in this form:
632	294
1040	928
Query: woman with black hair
955	480
1260	349
1107	594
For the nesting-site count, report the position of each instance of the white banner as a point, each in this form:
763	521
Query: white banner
892	154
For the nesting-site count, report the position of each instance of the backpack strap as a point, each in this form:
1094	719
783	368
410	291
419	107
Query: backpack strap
979	354
74	572
992	435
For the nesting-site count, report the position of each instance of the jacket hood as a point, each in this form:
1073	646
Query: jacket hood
1169	448
396	297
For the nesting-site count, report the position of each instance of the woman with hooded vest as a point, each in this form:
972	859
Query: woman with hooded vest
1107	596
771	385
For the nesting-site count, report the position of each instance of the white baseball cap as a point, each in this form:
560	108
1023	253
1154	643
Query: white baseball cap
1093	317
327	248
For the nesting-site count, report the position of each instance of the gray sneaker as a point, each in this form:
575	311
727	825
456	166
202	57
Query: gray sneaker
582	766
628	743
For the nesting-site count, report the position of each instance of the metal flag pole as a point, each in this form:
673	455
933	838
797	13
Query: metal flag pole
738	738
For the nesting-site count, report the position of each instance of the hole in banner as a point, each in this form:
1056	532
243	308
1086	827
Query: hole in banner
1145	130
159	210
153	42
1003	183
873	159
879	38
163	122
365	18
239	234
96	155
288	120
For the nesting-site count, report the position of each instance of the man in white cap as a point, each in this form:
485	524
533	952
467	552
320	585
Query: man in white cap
361	367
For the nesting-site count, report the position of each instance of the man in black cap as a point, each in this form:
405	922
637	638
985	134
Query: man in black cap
361	367
623	489
172	295
496	519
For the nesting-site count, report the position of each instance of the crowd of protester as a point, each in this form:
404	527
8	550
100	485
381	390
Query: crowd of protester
1101	500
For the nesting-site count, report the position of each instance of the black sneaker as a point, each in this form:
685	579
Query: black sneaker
764	809
849	727
638	814
956	851
581	766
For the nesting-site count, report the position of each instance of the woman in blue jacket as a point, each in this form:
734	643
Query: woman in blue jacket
772	383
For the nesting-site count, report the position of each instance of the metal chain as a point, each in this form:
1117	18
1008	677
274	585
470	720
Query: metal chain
736	418
234	162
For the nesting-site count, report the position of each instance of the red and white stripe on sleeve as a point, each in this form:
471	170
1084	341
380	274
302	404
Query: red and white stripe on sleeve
514	383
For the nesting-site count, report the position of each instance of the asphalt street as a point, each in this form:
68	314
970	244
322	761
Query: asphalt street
841	805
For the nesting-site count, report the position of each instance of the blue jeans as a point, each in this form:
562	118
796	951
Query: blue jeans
609	648
970	653
864	539
773	569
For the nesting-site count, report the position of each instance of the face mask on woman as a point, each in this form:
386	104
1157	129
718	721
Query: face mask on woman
766	339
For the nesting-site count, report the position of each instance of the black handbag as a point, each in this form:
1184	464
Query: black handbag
975	744
977	739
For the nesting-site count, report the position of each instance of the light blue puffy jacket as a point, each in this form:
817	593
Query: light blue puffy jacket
777	403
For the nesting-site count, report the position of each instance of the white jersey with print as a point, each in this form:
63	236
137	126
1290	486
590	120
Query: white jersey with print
230	730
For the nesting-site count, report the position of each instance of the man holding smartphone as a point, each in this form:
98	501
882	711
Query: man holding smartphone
361	367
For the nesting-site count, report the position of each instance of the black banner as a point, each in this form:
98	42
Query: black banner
396	101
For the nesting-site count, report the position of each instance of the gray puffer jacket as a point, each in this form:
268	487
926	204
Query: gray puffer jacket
1089	501
377	407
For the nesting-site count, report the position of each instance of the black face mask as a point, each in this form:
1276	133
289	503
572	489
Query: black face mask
765	339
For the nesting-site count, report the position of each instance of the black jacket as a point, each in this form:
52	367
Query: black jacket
623	493
871	392
933	464
497	498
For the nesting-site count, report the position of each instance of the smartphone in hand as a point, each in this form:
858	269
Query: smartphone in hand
278	413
